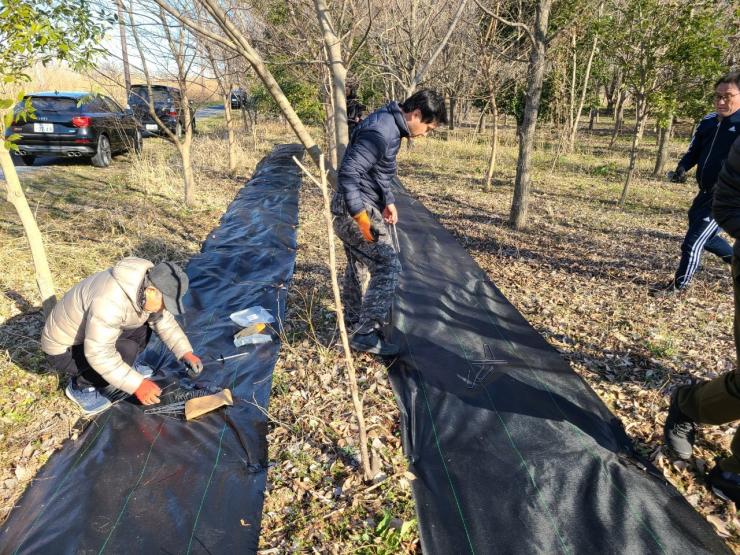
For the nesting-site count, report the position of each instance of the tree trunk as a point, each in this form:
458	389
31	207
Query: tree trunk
572	92
231	136
536	73
613	90
618	117
187	168
640	120
592	118
584	91
338	72
124	48
451	118
44	281
481	127
663	142
494	144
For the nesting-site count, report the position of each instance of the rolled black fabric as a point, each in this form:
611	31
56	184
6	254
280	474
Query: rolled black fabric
513	452
145	483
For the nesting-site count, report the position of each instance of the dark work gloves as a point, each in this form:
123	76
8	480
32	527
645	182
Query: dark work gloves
678	176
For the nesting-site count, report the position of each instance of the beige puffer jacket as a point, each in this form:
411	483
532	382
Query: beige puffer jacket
97	310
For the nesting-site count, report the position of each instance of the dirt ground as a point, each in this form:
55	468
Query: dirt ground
579	273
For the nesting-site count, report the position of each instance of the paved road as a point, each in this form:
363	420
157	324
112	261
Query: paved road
45	161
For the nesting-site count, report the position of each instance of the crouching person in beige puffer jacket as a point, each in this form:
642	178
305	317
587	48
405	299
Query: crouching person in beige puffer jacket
99	327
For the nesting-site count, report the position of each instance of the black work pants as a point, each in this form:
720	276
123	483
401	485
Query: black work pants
74	364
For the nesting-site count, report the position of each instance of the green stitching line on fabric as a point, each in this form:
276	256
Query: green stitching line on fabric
66	476
439	446
210	478
518	452
208	485
580	432
141	476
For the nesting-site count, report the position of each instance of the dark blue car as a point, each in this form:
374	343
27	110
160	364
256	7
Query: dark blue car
75	124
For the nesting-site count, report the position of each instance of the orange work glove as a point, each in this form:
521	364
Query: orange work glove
193	362
148	393
363	222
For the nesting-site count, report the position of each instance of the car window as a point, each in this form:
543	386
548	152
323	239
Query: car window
111	104
94	105
54	104
140	95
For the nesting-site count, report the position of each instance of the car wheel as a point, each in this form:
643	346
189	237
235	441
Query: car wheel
138	142
178	131
28	159
102	156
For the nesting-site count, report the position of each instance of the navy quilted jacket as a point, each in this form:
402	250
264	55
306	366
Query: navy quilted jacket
709	147
369	163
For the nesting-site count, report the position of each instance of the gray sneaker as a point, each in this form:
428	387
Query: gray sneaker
89	399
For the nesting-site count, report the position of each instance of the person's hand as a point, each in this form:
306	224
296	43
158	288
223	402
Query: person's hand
148	393
678	176
365	225
390	214
193	362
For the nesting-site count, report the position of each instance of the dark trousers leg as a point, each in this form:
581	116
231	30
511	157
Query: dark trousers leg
74	364
702	234
718	401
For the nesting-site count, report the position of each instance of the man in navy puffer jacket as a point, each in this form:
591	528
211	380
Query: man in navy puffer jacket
708	151
364	206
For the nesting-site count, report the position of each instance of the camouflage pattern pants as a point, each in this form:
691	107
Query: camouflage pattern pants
378	261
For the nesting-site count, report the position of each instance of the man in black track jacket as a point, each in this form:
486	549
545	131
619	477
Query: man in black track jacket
364	206
708	150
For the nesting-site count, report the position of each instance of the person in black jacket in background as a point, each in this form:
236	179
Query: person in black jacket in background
363	207
715	401
708	150
355	109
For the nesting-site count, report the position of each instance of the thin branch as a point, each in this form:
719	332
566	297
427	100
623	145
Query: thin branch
515	24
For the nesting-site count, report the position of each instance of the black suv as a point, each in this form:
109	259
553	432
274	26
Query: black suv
75	124
167	106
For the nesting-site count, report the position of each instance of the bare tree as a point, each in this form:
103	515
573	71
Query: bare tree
180	49
411	35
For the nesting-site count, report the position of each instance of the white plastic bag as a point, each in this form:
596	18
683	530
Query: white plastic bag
251	315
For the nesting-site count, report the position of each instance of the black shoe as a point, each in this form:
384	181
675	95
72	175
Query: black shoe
724	484
373	343
664	289
679	431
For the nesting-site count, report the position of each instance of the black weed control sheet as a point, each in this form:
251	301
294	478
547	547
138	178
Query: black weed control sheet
146	483
513	452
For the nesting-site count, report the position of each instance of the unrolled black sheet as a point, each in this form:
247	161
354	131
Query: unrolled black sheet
513	451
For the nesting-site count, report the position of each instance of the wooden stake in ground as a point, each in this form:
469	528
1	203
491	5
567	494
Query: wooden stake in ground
322	185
